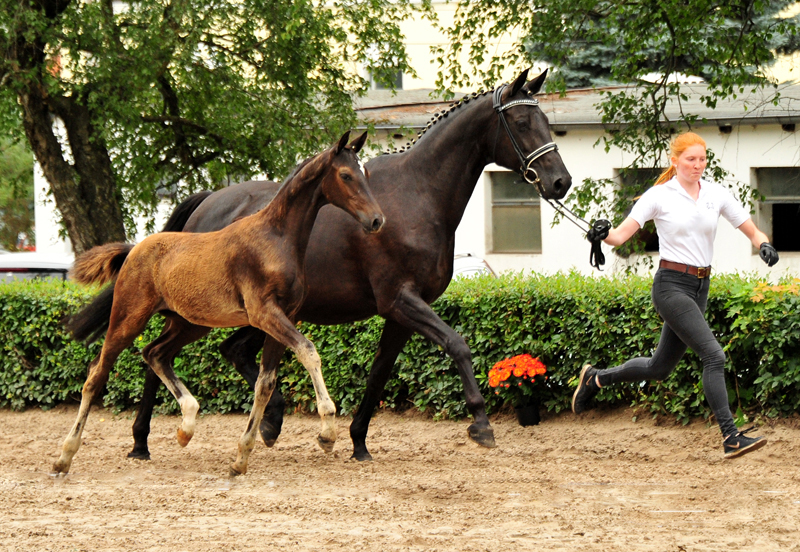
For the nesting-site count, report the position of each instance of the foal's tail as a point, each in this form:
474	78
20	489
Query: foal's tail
100	264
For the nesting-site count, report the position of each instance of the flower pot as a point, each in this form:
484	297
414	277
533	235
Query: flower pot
528	414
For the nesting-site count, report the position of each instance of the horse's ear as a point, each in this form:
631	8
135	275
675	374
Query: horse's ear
518	84
342	143
536	84
358	143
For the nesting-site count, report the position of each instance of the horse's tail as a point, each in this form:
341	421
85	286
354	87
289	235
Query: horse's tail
91	322
177	220
100	264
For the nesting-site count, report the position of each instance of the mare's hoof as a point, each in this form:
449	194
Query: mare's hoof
268	433
139	454
325	444
361	456
233	472
183	438
484	436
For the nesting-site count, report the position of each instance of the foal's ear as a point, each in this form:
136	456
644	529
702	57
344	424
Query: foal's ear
358	143
536	84
518	84
342	143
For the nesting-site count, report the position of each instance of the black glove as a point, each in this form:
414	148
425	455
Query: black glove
768	254
599	230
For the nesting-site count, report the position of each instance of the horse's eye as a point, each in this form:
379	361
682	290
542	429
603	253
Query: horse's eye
345	176
523	126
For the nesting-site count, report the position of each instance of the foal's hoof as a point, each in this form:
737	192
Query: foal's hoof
183	437
139	454
484	436
325	444
233	472
60	468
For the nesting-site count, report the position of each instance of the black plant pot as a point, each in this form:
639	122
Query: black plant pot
528	414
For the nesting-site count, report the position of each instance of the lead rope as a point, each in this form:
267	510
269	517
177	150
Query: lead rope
596	256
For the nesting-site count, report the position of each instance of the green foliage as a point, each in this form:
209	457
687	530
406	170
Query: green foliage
16	193
565	319
202	92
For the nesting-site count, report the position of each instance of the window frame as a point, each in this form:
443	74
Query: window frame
534	202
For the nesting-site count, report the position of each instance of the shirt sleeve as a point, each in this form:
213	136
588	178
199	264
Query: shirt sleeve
732	210
645	208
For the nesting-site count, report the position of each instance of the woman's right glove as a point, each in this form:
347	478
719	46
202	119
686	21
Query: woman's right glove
768	254
599	230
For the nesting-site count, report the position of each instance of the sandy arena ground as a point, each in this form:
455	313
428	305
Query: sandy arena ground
603	482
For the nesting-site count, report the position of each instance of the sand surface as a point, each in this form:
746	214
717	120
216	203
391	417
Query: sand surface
600	482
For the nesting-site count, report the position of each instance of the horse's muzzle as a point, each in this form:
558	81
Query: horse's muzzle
376	224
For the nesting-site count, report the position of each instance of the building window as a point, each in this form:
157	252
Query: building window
516	214
633	183
779	211
378	85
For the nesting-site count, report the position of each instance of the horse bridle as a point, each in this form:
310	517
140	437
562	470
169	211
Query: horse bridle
526	161
526	167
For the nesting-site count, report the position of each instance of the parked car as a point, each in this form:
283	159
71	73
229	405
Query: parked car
34	266
466	265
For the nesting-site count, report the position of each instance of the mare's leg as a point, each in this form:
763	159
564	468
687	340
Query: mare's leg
125	324
161	353
393	339
410	310
141	425
240	349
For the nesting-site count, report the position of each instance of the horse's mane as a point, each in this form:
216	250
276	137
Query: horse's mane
439	116
306	170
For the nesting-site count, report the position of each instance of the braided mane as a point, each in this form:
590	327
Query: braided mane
437	117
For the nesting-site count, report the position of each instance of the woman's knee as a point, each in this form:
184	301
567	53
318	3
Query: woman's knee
714	359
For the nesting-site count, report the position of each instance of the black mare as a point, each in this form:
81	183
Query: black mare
399	272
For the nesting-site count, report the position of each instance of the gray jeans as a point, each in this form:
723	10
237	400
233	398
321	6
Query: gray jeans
680	299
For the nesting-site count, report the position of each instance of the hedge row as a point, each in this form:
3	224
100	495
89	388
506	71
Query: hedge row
565	319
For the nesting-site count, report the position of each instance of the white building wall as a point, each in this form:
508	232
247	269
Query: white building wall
564	246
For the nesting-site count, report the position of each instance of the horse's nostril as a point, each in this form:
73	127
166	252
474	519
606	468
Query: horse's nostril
377	223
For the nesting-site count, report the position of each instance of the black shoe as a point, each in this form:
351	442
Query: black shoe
587	388
738	444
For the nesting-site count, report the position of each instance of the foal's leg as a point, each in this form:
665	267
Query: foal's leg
274	322
240	349
123	328
265	385
160	354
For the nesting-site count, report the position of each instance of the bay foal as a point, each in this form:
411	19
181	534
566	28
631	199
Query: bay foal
251	273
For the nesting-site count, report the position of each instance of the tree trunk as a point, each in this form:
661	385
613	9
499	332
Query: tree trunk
85	192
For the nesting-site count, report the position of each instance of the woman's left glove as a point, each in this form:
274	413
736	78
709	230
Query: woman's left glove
768	254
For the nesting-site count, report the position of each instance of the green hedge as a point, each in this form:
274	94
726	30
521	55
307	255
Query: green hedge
565	319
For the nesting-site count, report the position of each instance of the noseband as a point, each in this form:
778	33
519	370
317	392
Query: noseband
526	161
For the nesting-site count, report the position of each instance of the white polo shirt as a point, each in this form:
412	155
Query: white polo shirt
686	228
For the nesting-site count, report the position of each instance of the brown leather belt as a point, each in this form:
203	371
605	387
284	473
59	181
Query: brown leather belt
699	271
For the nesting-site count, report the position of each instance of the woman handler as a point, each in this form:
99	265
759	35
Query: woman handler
686	210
